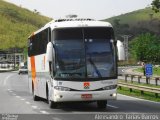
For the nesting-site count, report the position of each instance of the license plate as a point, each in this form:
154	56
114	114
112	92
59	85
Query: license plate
86	96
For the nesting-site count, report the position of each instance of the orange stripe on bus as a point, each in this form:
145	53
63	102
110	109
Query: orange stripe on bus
33	69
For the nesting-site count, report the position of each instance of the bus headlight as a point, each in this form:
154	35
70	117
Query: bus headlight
110	87
60	88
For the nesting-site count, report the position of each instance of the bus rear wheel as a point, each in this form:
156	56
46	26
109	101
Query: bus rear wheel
35	98
102	104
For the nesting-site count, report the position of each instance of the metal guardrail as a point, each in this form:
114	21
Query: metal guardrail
139	77
141	88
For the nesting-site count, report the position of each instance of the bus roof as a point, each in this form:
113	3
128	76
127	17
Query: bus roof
65	23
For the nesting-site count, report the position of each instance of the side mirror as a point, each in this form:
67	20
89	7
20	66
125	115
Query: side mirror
121	52
49	52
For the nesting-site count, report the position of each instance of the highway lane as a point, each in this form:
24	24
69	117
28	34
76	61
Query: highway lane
15	98
122	70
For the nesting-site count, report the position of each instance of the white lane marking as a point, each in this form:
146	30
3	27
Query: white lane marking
28	103
5	80
9	89
55	118
34	107
112	106
17	96
22	99
44	112
140	99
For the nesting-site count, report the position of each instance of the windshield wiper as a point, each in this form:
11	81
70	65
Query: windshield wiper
95	67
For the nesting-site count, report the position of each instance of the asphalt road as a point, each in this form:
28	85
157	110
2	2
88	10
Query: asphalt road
16	99
122	70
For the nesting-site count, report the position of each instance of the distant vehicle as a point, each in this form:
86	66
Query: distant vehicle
74	60
23	70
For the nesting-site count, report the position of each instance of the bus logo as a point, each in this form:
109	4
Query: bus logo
86	85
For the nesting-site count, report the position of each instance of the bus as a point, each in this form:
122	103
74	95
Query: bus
74	60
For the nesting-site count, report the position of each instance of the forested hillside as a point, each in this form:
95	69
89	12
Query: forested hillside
16	24
137	22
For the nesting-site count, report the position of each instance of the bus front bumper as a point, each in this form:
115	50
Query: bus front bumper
66	96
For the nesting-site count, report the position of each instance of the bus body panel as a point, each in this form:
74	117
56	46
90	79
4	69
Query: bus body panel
42	77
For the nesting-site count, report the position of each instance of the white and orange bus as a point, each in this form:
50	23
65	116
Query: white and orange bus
73	60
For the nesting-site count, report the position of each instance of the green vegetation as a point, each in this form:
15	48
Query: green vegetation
140	84
146	47
16	24
137	93
156	5
135	23
156	70
144	28
135	17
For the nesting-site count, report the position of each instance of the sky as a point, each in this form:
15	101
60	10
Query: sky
95	9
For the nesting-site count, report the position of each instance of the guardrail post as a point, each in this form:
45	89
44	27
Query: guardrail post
126	77
139	77
120	87
130	89
156	81
132	76
147	80
142	92
156	94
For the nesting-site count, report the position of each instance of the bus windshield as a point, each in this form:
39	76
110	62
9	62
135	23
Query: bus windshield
84	53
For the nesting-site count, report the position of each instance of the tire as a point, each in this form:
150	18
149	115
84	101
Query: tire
51	103
35	98
102	104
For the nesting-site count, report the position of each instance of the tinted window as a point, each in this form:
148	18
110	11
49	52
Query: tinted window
38	43
67	33
98	33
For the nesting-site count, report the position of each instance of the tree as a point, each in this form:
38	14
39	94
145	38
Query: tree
156	5
146	47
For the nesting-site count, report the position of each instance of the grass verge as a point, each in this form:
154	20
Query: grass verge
140	84
137	93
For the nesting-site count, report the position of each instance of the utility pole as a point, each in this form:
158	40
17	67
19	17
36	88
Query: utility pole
126	37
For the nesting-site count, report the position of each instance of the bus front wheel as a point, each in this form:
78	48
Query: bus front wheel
52	104
102	104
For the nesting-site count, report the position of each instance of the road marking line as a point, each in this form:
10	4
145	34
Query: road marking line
5	80
34	107
28	103
8	89
22	99
44	112
112	106
140	99
55	118
17	96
